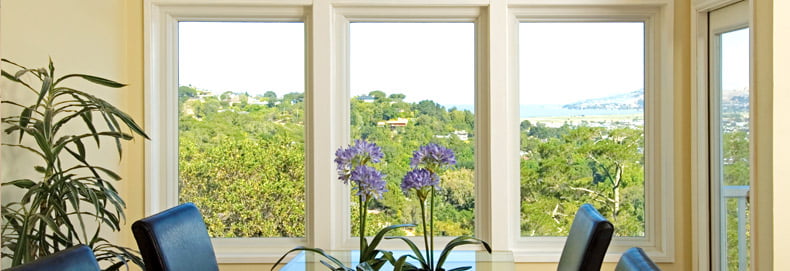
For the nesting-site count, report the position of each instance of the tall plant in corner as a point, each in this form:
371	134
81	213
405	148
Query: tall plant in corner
73	199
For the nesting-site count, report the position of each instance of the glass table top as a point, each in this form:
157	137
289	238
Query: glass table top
478	260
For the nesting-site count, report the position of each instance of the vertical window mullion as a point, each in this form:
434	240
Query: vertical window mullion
498	214
325	127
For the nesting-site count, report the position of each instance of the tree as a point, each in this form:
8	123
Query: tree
185	93
612	153
378	94
398	96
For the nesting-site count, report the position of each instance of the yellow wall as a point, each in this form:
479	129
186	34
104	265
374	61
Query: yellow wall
105	37
771	87
98	37
781	127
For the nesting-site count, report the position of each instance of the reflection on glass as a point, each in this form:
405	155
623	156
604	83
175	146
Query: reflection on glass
413	84
582	104
241	126
734	131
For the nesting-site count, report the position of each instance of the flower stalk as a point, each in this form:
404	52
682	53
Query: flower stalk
426	163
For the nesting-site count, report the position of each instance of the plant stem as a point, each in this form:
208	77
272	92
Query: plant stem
363	206
425	234
433	189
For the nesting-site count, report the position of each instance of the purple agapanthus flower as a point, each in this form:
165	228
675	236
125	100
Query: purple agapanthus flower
359	154
370	182
344	158
368	150
433	156
418	179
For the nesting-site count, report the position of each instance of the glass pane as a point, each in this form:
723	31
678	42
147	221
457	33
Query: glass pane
582	124
413	84
241	126
734	130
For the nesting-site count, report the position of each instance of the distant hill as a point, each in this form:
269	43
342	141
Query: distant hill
634	100
735	100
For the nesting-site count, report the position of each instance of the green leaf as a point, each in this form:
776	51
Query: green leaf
94	79
87	117
370	251
399	264
24	119
52	225
80	148
21	183
331	267
46	85
459	241
364	266
40	169
314	250
19	73
11	77
417	252
51	68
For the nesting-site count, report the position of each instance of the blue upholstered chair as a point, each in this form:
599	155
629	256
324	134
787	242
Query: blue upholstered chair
77	258
587	241
175	239
635	259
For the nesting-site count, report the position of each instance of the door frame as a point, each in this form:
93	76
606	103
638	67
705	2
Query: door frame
702	256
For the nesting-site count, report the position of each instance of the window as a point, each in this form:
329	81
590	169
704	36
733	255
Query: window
729	137
413	84
461	66
582	102
241	126
595	110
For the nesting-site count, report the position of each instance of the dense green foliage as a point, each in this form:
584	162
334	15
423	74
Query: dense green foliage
242	161
561	167
242	164
735	154
565	167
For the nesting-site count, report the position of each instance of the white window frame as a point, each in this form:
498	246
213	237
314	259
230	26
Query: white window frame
161	75
658	241
497	212
344	16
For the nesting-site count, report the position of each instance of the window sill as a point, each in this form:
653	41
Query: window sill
254	250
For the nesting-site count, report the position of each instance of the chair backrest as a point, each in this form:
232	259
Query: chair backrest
635	259
587	241
76	258
175	239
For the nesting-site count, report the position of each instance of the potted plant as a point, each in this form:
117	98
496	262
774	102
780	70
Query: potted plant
73	200
423	180
355	165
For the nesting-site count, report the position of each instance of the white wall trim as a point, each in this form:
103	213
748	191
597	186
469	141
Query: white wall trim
700	211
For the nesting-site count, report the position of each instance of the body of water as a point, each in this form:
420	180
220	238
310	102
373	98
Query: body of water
555	110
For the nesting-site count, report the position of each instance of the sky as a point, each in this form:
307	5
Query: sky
735	59
559	63
425	61
242	57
